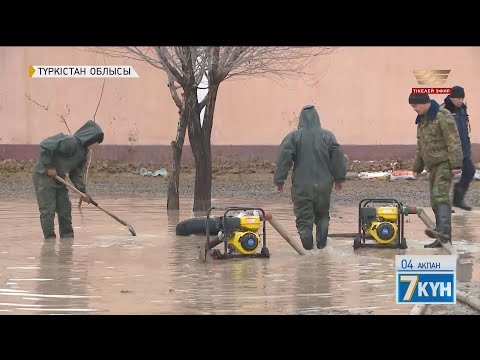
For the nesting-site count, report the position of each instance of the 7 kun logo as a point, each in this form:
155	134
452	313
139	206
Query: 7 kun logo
426	288
426	279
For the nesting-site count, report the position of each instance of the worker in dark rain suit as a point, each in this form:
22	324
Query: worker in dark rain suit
318	164
455	104
439	151
62	154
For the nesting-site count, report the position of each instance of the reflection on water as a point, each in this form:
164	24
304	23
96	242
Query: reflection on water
64	288
105	270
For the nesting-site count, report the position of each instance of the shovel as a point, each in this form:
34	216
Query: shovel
73	188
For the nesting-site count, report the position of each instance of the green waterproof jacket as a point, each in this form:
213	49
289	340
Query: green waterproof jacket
315	154
438	140
68	153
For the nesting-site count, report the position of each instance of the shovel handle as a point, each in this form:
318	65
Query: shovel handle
70	186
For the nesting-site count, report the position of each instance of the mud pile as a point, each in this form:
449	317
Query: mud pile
99	166
218	167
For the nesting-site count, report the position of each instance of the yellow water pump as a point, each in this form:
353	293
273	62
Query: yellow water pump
244	237
239	233
384	224
383	228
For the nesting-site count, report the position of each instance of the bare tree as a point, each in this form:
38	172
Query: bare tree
185	68
90	151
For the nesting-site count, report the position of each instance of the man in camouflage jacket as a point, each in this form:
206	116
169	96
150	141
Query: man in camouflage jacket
439	151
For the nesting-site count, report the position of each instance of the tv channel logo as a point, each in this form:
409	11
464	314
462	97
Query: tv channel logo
431	77
425	279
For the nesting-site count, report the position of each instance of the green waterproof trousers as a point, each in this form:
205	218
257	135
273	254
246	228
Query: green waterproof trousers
52	197
311	205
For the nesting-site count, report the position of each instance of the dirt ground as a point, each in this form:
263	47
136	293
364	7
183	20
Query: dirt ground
230	179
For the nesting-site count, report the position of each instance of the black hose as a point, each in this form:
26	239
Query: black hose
197	226
346	235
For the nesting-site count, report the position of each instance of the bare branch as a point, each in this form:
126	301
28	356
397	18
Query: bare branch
114	52
173	91
171	67
239	52
101	94
179	54
134	53
214	73
200	66
209	61
161	57
193	56
267	61
90	152
188	65
43	107
36	103
227	51
64	119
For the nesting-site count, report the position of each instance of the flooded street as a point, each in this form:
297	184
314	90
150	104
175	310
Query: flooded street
105	270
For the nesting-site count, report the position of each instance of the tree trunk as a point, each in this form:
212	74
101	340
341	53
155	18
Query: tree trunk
199	137
203	176
173	199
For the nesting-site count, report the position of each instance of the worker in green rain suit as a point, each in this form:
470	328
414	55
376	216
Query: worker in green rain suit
318	164
62	154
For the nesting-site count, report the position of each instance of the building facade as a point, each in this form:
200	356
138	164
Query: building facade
360	93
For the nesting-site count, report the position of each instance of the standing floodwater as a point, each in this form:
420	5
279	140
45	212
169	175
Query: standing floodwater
105	270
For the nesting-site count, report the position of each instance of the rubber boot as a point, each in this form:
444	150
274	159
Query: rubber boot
322	232
430	234
48	228
307	241
444	225
458	197
445	222
50	236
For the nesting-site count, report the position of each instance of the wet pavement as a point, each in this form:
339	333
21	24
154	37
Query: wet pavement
105	270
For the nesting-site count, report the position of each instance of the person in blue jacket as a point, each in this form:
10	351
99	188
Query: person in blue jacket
455	104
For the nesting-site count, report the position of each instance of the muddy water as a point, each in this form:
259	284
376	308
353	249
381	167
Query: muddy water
105	270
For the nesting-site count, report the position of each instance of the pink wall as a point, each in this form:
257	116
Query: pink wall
360	92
